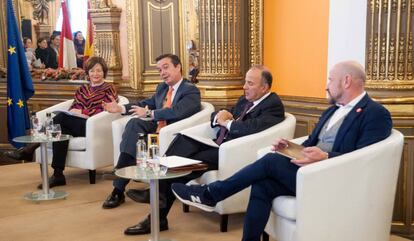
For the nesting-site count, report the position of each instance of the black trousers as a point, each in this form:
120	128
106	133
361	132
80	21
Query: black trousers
186	147
71	125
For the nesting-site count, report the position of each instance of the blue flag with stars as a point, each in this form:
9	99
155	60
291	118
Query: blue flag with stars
19	81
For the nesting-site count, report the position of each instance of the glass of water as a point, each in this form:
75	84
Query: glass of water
55	132
141	158
155	158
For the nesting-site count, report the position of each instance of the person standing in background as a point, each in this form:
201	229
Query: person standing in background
79	42
54	50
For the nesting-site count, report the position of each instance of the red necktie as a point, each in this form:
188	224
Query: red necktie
223	130
167	104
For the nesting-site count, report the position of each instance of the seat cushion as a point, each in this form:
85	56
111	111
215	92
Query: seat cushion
77	144
285	206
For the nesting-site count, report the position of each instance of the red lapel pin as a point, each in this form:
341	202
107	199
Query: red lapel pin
358	110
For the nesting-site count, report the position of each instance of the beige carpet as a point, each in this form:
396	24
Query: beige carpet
80	216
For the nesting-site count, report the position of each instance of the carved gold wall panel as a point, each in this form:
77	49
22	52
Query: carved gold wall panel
224	48
106	40
389	56
389	65
154	27
227	35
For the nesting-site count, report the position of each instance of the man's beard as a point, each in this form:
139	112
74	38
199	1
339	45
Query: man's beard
331	99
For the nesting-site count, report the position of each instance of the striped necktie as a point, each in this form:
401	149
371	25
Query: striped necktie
223	130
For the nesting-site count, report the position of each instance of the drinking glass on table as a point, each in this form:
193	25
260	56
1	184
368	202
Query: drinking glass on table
55	132
155	158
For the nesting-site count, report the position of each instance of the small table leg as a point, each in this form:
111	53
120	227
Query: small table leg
45	174
46	193
155	219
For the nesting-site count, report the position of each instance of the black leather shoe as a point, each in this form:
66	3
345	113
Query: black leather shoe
54	181
144	227
19	154
113	201
140	196
143	196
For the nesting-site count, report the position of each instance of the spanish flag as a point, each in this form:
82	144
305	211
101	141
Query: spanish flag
89	49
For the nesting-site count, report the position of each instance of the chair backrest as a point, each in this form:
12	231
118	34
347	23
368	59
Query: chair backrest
168	132
240	152
350	197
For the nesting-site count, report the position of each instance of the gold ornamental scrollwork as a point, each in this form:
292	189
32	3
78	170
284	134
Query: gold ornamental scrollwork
256	32
101	4
106	19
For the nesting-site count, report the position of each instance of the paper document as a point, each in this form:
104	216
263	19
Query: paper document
68	113
293	151
177	161
201	139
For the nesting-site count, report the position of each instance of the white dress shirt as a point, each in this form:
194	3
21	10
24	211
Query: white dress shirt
343	110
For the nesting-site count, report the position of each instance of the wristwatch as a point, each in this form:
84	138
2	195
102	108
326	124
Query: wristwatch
148	113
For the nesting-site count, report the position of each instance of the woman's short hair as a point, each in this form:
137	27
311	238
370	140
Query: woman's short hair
25	39
94	61
41	39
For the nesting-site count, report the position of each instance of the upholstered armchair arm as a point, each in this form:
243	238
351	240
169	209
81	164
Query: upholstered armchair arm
167	133
339	188
118	127
237	153
65	105
99	135
203	130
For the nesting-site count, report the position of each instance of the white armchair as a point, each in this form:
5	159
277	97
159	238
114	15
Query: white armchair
166	134
349	197
234	155
92	151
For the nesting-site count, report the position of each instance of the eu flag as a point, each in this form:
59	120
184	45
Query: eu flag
19	81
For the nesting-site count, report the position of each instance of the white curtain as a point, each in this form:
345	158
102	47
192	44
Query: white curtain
78	10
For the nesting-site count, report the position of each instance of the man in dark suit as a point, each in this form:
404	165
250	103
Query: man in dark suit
355	121
174	99
257	110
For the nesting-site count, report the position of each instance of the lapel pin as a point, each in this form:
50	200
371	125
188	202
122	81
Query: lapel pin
358	110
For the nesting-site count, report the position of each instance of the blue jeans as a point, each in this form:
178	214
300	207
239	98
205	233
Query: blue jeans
271	176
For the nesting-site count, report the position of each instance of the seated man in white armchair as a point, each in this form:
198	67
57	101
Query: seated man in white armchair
352	122
256	111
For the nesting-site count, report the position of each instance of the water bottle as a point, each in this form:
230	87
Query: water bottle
34	125
48	124
141	155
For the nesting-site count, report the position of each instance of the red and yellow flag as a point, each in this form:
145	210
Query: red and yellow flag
89	48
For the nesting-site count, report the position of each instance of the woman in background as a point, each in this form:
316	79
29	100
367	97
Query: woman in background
30	54
79	42
42	51
87	102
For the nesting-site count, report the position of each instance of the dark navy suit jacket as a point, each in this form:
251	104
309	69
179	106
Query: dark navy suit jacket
186	102
269	112
367	123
